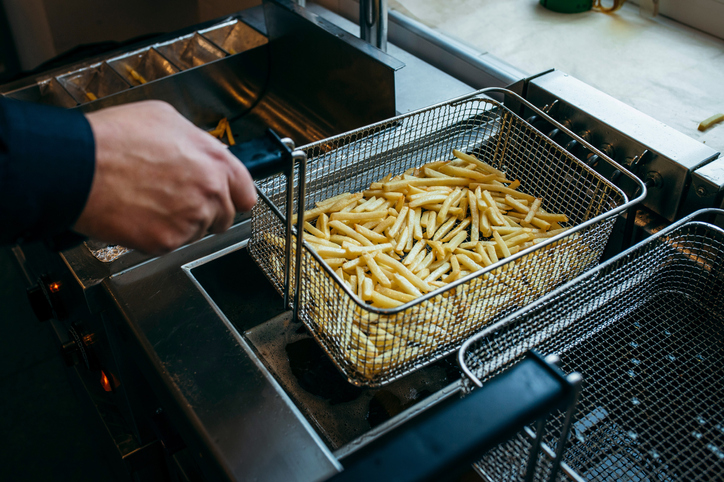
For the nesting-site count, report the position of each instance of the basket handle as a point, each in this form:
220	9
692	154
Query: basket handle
450	436
264	157
640	193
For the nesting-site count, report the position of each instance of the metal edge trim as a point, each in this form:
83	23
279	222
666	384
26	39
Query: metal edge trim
400	419
250	352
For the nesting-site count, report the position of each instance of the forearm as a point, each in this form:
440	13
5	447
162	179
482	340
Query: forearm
47	159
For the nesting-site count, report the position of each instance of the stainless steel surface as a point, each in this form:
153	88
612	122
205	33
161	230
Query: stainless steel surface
645	330
234	36
337	78
49	92
190	51
352	84
474	68
228	87
350	162
410	93
373	22
228	406
147	64
673	156
95	82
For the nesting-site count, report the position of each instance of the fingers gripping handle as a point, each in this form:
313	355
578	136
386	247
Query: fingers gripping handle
265	156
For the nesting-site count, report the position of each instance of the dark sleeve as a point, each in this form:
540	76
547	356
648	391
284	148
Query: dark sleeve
47	160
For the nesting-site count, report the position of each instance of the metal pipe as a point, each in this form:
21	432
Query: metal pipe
373	22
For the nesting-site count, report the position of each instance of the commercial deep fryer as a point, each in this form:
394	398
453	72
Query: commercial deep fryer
206	372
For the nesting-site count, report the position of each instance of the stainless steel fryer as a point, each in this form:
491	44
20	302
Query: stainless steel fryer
188	337
437	323
645	330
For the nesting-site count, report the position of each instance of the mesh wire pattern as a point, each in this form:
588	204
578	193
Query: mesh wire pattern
646	331
428	329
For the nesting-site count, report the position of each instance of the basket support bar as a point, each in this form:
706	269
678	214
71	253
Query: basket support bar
301	158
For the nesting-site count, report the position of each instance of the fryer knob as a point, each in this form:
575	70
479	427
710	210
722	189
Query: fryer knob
70	353
609	150
79	350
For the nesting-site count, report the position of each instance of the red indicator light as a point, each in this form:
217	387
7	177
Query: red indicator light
54	287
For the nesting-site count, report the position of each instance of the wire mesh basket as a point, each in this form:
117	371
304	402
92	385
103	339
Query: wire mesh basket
646	331
373	346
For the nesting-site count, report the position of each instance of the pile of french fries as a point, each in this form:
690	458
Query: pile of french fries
411	234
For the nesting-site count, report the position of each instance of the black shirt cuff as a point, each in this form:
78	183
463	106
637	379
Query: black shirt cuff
47	161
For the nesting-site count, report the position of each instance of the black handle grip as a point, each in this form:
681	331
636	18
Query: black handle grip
265	156
442	442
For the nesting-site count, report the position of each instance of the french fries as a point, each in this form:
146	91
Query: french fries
136	76
223	128
410	234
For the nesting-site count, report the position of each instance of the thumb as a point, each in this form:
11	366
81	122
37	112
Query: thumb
241	185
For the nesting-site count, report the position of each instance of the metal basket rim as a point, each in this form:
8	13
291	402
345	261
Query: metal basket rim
501	111
626	203
594	272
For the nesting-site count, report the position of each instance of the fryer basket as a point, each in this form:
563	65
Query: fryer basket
434	325
646	331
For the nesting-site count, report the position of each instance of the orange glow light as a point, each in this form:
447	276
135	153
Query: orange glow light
105	382
54	287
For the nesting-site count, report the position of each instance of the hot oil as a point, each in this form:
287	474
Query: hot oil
339	411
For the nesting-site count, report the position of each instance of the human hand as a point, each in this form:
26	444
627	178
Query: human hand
159	181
